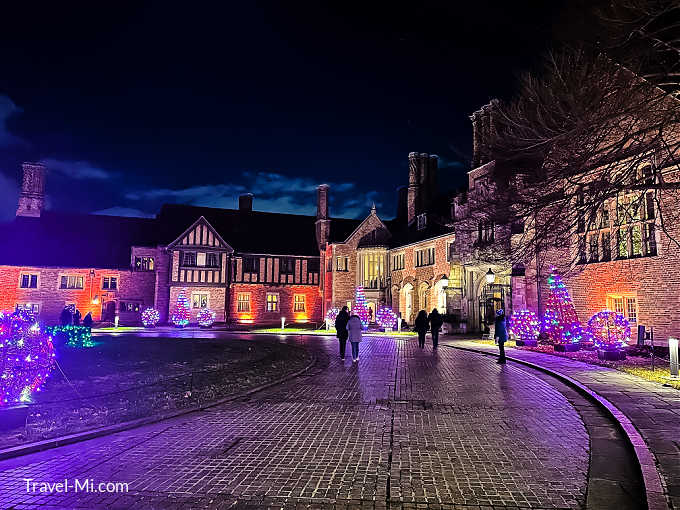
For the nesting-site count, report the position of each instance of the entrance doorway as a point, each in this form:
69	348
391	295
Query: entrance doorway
109	311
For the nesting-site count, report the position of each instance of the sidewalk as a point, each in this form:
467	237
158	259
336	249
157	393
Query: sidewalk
653	409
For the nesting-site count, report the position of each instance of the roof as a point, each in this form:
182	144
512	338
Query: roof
403	235
342	228
74	240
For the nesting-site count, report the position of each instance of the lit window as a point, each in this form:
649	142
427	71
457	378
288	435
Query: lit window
29	281
243	302
424	257
594	252
422	221
33	308
199	300
144	264
631	309
622	243
272	302
299	303
110	282
342	264
71	282
130	307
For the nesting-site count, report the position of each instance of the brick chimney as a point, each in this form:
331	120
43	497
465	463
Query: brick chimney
32	197
245	202
483	131
323	222
413	190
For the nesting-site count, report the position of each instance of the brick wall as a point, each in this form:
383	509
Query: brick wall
216	296
258	308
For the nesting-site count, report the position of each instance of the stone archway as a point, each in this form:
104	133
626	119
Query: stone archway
406	303
424	297
439	294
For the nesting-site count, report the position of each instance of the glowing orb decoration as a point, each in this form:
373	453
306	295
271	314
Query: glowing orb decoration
182	312
27	356
610	330
332	314
150	317
386	318
525	325
206	318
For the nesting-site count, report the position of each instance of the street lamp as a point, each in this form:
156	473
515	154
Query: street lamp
490	276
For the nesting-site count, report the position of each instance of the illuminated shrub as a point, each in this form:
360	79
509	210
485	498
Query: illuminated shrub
150	317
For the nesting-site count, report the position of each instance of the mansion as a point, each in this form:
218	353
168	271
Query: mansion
254	267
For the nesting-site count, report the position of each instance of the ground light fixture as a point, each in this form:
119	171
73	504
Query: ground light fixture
283	323
673	349
490	276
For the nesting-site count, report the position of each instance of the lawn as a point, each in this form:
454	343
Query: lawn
330	332
126	378
635	365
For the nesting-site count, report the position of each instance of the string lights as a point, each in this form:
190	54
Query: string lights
560	321
150	317
360	306
206	317
610	330
182	312
525	326
386	318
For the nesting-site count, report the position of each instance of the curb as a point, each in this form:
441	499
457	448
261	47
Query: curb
651	477
18	451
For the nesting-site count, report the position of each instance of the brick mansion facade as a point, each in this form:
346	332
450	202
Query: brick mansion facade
254	267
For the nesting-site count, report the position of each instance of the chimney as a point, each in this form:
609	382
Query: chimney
476	138
322	202
413	191
323	222
245	202
32	197
402	204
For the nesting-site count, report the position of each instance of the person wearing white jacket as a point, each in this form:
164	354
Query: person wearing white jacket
354	328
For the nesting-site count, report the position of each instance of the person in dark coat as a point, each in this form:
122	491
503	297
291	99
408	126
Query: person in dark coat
421	324
87	320
65	318
436	321
76	318
341	329
501	334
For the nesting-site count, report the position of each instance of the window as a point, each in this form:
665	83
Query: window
33	308
128	306
29	281
200	259
631	309
450	251
398	262
144	264
582	250
422	221
110	282
71	282
606	247
199	300
272	302
622	243
636	241
313	265
650	239
649	209
485	232
593	248
212	260
251	265
243	302
580	220
299	303
342	263
286	265
188	258
618	305
424	257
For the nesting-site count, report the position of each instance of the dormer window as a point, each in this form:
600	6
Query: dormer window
422	221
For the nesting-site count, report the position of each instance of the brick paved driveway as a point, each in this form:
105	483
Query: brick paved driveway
402	425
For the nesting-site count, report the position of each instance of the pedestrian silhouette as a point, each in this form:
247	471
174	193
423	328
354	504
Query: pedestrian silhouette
421	325
354	328
341	330
501	334
436	322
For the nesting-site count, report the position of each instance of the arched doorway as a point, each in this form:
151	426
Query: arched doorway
440	294
424	297
406	302
491	298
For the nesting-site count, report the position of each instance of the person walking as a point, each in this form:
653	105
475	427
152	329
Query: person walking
341	329
421	324
354	328
501	334
436	321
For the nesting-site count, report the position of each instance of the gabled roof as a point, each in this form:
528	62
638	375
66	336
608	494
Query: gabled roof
220	243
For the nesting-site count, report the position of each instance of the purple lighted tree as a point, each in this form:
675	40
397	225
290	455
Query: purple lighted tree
181	313
560	321
360	306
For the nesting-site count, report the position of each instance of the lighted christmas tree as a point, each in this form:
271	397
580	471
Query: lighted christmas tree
560	321
26	357
181	313
360	306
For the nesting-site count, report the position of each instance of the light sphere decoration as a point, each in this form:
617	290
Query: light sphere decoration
610	330
150	317
525	326
386	318
27	356
332	314
182	312
206	318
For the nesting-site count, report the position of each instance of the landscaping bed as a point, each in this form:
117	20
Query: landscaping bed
638	365
125	378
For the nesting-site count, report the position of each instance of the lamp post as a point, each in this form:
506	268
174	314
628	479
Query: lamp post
490	277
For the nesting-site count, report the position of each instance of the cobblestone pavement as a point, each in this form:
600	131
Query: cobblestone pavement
404	427
652	408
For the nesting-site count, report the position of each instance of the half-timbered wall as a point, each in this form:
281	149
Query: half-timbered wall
200	257
271	269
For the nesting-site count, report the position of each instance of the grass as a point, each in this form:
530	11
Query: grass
634	365
125	378
330	332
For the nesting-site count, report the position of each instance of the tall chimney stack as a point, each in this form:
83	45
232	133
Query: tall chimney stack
32	197
323	222
413	192
245	202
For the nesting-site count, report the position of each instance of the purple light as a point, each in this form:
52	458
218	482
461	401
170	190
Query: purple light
610	330
206	318
150	317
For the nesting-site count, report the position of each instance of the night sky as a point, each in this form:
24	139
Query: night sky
196	103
